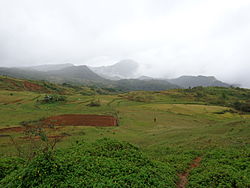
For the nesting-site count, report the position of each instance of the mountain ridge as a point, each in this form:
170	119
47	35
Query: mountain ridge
84	75
200	80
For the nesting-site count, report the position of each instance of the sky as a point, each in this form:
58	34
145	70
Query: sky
169	38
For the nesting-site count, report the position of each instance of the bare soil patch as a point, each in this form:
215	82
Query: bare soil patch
183	177
32	87
70	120
81	120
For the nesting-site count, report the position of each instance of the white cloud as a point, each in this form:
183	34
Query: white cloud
168	38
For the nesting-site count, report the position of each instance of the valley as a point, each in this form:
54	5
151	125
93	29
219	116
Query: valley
170	127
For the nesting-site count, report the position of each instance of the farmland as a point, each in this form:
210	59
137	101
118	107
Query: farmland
169	129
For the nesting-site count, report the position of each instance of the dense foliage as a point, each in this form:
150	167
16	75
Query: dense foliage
7	165
242	106
53	99
105	163
237	98
222	168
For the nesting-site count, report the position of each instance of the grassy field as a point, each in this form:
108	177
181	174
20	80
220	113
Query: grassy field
172	127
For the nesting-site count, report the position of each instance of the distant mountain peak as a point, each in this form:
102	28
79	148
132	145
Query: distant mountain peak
126	68
145	78
200	80
126	63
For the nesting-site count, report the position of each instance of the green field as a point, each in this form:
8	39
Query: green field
170	128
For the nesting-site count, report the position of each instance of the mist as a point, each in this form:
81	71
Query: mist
167	38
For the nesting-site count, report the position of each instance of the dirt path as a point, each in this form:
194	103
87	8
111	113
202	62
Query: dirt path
183	177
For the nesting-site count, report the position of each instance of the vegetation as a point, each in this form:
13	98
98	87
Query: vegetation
52	99
231	168
167	131
94	103
242	106
101	164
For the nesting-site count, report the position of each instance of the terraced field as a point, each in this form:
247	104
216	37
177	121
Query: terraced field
168	127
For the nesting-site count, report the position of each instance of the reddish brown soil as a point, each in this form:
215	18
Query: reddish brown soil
32	87
81	120
71	120
183	177
12	129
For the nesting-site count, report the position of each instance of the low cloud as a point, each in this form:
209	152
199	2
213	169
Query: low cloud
168	38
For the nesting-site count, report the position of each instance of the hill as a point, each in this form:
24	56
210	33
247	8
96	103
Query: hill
14	84
49	67
82	75
194	81
199	136
75	74
21	73
146	85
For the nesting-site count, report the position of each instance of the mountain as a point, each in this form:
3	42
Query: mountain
79	74
146	85
82	75
71	74
23	73
123	69
49	67
194	81
145	78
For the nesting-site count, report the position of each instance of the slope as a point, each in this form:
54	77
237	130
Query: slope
193	81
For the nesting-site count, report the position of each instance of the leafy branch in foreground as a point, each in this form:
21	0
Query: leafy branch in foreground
36	142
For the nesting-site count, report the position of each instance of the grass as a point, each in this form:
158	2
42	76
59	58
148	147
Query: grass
185	127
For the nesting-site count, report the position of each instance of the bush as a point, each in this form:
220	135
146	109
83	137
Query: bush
222	168
53	99
8	165
242	106
94	103
105	163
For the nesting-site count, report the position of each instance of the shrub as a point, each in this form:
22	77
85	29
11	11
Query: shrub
9	164
94	103
242	106
222	168
53	99
105	163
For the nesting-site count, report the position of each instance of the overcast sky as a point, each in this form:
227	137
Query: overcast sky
168	38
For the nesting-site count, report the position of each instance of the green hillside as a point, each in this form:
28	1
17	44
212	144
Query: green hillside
14	84
83	76
162	137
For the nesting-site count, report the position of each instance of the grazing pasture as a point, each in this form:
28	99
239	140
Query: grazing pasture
172	128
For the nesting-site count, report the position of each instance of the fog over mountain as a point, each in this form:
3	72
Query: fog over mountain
167	38
123	69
